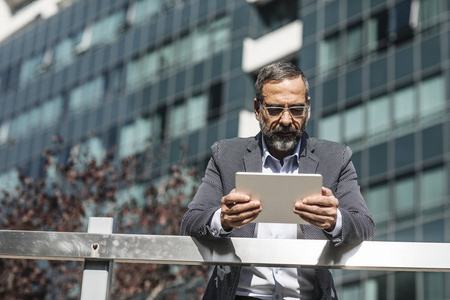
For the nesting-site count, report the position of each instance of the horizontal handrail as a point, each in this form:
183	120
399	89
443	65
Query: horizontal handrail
166	249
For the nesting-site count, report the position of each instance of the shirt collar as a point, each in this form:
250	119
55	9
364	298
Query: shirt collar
267	156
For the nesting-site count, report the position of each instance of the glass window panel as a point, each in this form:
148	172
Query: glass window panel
404	65
351	291
404	194
434	286
166	58
76	98
133	75
378	115
28	68
354	123
126	138
9	181
145	8
156	126
93	149
329	53
404	105
34	118
433	232
330	92
428	10
405	283
329	128
432	141
4	130
378	31
378	159
432	98
149	66
46	111
433	186
353	83
378	202
430	52
63	53
375	288
182	51
400	21
87	95
354	41
220	36
12	128
200	43
143	133
378	73
405	235
177	122
197	112
404	151
353	7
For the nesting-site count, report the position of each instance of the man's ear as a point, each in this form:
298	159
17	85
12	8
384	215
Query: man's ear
256	109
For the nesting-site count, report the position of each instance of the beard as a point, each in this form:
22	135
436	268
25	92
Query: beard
273	139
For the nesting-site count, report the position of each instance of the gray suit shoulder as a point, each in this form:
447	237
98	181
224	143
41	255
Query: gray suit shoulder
326	147
235	145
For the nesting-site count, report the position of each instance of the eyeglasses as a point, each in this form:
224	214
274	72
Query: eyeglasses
295	111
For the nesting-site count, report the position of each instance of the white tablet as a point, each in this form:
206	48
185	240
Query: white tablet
278	193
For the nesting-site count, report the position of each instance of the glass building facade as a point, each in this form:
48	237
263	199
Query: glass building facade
169	74
379	78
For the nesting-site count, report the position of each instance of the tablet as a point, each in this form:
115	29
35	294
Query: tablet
278	193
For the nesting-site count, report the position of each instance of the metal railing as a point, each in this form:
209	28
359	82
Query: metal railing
100	248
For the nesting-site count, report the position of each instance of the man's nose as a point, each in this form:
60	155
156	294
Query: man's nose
286	118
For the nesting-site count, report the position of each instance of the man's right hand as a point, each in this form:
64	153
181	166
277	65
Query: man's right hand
238	209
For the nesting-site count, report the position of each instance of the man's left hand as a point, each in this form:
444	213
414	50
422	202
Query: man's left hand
318	210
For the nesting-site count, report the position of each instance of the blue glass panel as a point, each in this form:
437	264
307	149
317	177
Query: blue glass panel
430	52
330	92
332	13
378	73
432	144
354	83
404	63
378	159
404	151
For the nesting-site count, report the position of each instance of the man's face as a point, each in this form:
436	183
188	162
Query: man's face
282	133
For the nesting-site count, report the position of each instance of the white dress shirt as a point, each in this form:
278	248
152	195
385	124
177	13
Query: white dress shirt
273	282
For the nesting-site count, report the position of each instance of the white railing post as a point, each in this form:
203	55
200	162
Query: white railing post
97	274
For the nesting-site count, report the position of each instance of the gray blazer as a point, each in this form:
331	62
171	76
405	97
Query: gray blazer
332	160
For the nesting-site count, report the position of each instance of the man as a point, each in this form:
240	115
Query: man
339	213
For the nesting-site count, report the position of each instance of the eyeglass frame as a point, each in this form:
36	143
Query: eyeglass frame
306	107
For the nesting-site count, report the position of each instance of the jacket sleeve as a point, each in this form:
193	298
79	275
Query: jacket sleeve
357	222
206	201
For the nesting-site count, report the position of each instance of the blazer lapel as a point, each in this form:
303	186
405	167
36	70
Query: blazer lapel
253	159
308	162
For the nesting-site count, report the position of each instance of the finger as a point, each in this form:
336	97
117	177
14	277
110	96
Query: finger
240	207
326	192
320	200
238	220
235	197
316	220
316	209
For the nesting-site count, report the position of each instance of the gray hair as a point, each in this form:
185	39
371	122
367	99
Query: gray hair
278	72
